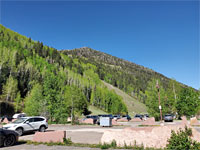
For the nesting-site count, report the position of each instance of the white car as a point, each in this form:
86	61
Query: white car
26	124
16	116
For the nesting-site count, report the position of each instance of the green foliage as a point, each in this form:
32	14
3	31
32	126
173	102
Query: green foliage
127	76
182	140
24	63
152	101
188	102
105	146
10	89
67	141
75	101
34	100
18	102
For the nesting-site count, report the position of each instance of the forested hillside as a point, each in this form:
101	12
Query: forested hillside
127	76
39	80
140	83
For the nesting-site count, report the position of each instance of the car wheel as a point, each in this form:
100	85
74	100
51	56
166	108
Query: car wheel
10	140
42	129
19	131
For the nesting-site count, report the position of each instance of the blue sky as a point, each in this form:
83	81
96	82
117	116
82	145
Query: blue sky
160	35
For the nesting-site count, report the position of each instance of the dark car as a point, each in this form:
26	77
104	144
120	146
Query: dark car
8	137
116	117
168	118
126	117
139	116
106	115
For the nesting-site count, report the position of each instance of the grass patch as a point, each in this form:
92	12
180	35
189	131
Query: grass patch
196	125
96	111
113	145
133	105
3	123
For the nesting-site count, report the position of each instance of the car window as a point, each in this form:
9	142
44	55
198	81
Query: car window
20	120
38	119
31	120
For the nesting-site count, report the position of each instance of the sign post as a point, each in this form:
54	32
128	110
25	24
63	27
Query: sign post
157	86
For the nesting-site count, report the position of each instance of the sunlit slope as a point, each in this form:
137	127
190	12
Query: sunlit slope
132	104
96	111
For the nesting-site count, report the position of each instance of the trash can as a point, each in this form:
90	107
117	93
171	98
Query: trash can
105	121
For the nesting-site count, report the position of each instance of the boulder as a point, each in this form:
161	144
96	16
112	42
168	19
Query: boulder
147	136
135	120
150	121
184	121
194	121
122	120
5	120
88	121
115	123
48	137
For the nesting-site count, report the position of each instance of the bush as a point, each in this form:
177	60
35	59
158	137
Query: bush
182	140
105	146
67	141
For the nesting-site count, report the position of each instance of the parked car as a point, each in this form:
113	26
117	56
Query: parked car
116	117
27	124
126	117
106	115
168	117
8	137
145	116
139	116
16	116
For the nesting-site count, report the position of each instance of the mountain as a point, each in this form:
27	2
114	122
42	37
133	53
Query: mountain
125	75
40	80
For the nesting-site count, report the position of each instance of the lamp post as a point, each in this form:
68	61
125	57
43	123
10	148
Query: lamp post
158	87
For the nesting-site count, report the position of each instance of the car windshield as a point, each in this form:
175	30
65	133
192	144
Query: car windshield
168	115
20	120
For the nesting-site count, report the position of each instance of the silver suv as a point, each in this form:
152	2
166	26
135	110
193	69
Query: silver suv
26	124
168	117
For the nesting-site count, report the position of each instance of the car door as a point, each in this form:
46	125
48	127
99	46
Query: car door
29	125
38	122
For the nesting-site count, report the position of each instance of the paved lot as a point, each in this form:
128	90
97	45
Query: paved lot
44	147
79	134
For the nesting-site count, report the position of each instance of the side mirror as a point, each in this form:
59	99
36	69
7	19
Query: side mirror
27	122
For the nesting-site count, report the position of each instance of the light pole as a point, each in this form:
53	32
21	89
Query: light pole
158	87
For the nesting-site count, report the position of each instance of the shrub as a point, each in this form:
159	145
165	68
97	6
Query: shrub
105	146
182	140
113	144
67	141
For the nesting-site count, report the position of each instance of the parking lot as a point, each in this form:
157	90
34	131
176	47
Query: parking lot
90	134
